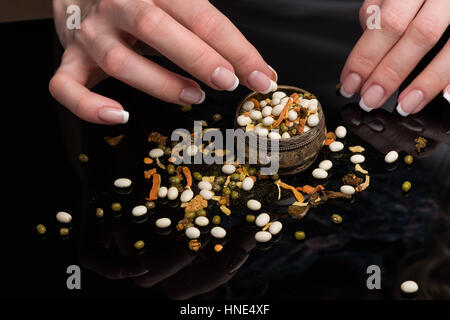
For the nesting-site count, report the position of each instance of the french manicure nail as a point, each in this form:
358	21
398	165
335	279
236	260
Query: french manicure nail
274	72
350	85
113	115
410	102
260	82
447	94
192	95
224	79
372	98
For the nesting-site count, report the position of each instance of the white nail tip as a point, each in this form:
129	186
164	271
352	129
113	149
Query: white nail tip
126	116
345	94
272	87
202	99
235	85
447	95
401	112
276	74
363	106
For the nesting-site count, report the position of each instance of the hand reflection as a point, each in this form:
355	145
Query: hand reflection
108	249
386	131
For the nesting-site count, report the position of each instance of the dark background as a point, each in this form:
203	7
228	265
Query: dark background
42	174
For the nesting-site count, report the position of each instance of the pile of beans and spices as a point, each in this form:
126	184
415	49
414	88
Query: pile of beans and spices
207	194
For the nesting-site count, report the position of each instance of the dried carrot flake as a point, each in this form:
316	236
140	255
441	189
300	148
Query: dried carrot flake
148	160
153	195
297	194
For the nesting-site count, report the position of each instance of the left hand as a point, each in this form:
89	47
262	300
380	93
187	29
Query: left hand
383	58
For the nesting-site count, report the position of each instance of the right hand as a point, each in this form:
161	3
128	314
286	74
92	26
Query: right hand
192	34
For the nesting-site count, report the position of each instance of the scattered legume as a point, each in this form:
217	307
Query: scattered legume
172	193
116	206
150	205
63	217
254	205
326	165
218	232
197	176
336	146
391	156
216	220
170	169
263	236
99	213
340	132
250	218
347	189
409	159
162	192
122	183
234	195
319	173
192	233
163	223
139	211
336	218
83	158
357	158
409	286
217	117
300	235
139	244
262	219
275	227
156	153
406	186
41	229
202	221
187	195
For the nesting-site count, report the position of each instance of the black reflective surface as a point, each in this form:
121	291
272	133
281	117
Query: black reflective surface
406	235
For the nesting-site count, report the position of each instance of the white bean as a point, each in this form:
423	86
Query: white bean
247	184
292	115
263	103
218	232
63	217
285	135
284	101
409	286
243	120
122	183
191	150
263	236
275	227
248	105
266	111
274	102
139	211
262	219
336	146
391	156
202	221
313	104
192	233
156	153
340	132
163	223
254	205
319	173
172	193
278	95
186	195
262	132
228	169
357	158
276	111
162	192
206	194
326	165
347	189
273	135
255	115
204	185
306	129
313	120
267	121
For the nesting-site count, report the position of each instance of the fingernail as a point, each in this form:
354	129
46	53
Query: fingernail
192	95
261	83
372	98
447	94
224	79
350	85
113	115
274	72
410	102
